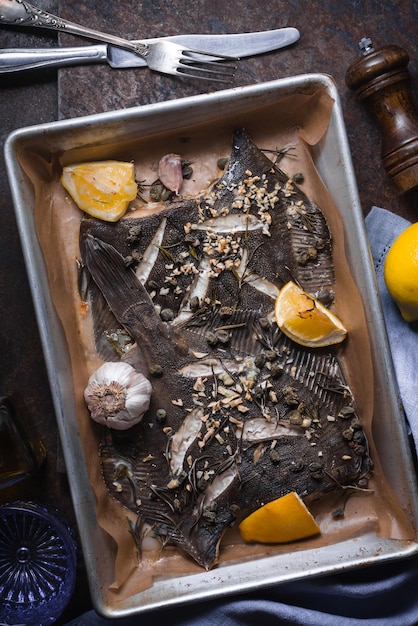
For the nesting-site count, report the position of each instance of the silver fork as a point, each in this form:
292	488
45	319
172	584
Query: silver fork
165	57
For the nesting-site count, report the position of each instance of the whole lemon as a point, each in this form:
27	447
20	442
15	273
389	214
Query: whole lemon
401	272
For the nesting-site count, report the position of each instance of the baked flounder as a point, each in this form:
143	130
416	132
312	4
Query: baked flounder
239	415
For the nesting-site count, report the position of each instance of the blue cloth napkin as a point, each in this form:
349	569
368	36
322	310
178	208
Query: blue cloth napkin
381	595
382	228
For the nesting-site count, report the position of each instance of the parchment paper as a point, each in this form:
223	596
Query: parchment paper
299	121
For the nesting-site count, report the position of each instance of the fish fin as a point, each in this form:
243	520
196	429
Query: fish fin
122	290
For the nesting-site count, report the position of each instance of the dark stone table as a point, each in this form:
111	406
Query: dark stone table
330	32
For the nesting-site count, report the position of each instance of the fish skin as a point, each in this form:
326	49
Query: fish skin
254	472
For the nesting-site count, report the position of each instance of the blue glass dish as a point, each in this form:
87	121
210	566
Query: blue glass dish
38	558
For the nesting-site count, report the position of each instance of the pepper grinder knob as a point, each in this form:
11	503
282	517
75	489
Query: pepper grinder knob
381	78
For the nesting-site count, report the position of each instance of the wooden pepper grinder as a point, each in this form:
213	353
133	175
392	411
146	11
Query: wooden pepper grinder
381	78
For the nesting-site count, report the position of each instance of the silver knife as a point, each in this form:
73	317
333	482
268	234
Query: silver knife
237	45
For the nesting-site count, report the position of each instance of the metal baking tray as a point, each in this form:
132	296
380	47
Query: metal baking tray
333	161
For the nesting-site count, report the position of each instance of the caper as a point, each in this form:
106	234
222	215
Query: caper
363	482
355	423
187	171
297	465
325	296
156	370
166	194
156	191
211	338
167	315
134	233
274	456
346	411
348	434
161	415
359	449
276	370
298	178
153	285
316	470
359	437
260	360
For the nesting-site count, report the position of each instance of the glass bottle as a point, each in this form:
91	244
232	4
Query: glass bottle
21	450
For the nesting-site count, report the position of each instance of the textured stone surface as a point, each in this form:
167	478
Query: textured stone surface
27	99
330	32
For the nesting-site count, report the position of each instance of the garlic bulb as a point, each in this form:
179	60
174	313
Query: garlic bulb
117	395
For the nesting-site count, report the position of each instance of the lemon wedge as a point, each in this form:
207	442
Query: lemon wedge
401	272
305	320
280	521
103	189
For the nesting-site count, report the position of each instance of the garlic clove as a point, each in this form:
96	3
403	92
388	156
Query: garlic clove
170	172
117	395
